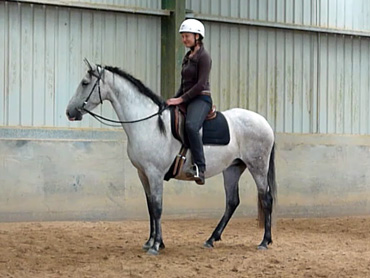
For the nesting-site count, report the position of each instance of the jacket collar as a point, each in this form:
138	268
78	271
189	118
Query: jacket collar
195	57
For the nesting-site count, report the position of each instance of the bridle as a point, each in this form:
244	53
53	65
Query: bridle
97	83
99	117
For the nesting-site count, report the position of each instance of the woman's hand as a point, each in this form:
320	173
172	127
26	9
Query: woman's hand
174	101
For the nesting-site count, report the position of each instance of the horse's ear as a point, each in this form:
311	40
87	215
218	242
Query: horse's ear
88	64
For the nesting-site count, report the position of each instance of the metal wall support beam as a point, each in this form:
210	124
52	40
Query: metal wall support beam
172	50
96	6
241	21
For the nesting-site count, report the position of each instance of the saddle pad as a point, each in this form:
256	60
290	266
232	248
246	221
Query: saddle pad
216	131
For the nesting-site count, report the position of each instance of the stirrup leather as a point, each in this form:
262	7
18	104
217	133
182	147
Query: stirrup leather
180	161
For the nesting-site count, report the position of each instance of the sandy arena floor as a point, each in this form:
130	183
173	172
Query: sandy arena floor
335	247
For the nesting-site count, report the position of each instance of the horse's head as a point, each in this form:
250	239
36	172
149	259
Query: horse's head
90	92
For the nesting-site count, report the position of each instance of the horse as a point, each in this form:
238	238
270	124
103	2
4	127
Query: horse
152	148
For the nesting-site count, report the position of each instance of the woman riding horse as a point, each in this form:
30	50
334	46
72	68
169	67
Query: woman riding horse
194	91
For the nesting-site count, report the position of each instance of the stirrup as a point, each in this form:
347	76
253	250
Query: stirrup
196	170
198	176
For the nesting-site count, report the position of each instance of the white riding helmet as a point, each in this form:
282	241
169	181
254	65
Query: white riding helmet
192	26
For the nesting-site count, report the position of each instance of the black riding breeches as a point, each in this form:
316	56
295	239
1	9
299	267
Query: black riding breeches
196	112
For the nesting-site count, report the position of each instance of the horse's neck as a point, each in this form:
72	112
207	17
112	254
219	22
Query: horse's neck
130	104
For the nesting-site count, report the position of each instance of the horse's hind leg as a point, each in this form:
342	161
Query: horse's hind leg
231	183
265	203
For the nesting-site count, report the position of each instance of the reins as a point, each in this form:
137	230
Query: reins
100	118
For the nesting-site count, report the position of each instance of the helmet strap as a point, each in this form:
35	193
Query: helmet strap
195	43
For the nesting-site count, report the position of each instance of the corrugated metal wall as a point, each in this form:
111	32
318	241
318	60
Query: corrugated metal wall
267	71
42	61
343	14
303	82
344	76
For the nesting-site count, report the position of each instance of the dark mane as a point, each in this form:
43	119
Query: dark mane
138	84
145	91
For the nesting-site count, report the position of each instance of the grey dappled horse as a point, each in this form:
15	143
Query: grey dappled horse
152	148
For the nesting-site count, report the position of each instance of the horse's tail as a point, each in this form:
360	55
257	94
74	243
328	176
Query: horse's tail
271	181
271	175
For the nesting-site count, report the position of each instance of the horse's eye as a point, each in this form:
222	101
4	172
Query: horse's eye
85	83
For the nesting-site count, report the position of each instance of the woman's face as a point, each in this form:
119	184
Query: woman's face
188	39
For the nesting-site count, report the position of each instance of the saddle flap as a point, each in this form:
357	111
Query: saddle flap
177	123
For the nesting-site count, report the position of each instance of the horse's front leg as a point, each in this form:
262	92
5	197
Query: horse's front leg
145	183
150	240
154	193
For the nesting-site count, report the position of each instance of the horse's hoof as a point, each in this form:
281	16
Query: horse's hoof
146	247
149	244
152	251
208	245
262	247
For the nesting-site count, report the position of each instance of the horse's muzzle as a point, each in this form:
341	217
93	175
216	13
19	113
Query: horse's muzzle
74	114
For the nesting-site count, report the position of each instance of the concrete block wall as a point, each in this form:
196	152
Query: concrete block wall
86	175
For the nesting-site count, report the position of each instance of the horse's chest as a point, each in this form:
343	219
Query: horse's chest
144	154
